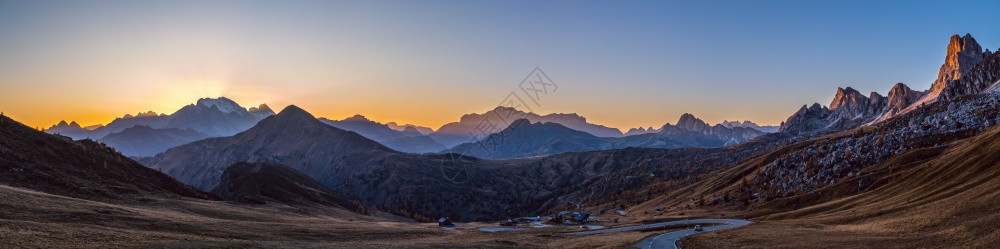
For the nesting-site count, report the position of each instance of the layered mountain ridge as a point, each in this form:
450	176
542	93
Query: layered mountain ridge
967	69
525	139
211	117
407	140
469	127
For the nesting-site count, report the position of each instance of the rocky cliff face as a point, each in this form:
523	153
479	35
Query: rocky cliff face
967	69
963	53
901	97
981	77
806	119
848	109
849	104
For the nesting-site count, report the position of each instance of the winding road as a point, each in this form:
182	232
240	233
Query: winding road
669	240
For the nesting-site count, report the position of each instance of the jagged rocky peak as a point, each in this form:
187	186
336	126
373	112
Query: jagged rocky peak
690	122
261	108
357	118
848	97
146	114
963	53
901	97
875	98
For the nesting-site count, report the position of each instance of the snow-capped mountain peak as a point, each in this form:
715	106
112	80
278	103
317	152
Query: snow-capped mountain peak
225	105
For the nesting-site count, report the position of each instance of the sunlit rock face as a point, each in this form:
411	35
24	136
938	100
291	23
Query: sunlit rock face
963	53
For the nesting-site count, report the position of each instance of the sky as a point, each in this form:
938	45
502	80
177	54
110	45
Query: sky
619	63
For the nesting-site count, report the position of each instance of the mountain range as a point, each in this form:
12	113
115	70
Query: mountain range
524	139
911	167
407	140
962	73
471	126
148	133
82	169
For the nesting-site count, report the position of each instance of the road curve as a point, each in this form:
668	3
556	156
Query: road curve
669	240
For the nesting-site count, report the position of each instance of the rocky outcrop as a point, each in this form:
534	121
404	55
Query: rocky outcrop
806	119
963	54
849	104
981	77
848	109
901	97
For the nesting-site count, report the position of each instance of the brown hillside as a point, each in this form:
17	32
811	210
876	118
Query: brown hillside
84	169
945	196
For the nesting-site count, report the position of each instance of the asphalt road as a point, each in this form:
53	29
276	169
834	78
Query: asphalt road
669	240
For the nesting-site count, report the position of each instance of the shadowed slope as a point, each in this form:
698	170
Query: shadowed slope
261	183
84	169
292	137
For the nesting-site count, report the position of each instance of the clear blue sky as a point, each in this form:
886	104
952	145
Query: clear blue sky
621	63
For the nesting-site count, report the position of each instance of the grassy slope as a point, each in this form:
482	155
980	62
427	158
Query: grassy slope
945	196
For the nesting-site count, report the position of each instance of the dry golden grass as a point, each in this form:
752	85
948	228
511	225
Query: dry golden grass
40	220
945	197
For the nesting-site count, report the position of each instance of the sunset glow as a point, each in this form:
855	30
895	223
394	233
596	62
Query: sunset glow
406	62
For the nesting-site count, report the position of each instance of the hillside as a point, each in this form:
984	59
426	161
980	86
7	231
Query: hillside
83	169
141	140
261	183
938	197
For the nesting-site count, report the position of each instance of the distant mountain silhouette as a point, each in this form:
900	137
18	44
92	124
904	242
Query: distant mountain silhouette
293	137
382	178
141	140
751	125
422	130
212	117
405	141
524	139
455	133
82	169
71	129
260	183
